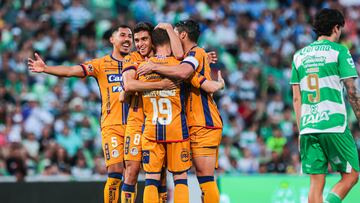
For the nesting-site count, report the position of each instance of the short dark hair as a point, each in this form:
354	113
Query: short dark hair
116	28
326	19
191	27
143	26
160	37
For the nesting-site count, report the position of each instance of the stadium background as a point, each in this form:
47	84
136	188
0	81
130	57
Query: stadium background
49	128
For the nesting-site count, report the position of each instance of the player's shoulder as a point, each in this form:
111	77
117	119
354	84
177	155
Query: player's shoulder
196	51
134	56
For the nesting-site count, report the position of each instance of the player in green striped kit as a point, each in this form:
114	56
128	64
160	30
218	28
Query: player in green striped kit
319	72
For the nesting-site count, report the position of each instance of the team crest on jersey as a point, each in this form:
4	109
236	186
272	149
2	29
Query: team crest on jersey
191	53
134	151
115	153
145	156
185	155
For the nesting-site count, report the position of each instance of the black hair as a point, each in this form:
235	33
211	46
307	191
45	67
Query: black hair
160	37
143	26
191	27
116	28
326	19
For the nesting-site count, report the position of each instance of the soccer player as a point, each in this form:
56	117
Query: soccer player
319	71
143	44
205	124
108	73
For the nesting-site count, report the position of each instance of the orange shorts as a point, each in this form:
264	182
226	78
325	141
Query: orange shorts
132	149
175	155
113	144
204	141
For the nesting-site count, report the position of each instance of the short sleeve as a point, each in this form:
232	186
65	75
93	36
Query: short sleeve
294	75
92	67
346	64
196	79
129	64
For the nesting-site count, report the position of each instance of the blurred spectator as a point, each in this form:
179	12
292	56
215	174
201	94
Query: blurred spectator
47	121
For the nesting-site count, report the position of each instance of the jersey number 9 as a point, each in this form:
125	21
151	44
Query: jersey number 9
313	84
162	106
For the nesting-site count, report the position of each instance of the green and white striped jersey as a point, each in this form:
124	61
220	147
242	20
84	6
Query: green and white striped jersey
319	68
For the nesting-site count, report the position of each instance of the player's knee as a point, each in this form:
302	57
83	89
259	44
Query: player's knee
153	176
179	176
115	168
131	173
354	178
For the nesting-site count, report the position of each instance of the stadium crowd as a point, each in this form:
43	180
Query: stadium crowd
49	126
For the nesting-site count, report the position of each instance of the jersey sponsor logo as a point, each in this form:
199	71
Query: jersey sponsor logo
90	68
315	48
315	118
311	61
127	145
114	78
351	62
117	89
145	156
107	153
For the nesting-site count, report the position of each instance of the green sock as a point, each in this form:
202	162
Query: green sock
332	198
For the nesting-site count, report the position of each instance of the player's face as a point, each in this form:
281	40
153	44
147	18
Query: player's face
122	40
143	42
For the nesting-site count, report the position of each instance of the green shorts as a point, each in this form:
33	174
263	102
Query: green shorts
320	149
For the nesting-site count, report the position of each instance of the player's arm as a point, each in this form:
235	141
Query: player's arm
133	85
175	43
297	102
209	86
38	65
353	95
182	71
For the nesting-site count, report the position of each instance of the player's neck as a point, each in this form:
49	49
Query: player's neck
331	38
117	56
163	50
188	46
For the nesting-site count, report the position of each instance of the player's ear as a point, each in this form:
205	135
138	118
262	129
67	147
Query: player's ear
111	39
183	35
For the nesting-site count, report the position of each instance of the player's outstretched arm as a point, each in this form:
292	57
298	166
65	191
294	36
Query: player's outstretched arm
175	43
297	102
353	95
212	86
38	65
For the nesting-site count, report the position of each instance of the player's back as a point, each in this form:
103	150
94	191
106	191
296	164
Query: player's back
319	68
164	109
201	107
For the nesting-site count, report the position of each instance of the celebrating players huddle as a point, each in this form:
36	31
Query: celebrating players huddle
157	110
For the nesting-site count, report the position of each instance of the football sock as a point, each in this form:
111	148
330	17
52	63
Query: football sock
210	192
112	188
151	194
128	193
162	194
181	192
332	198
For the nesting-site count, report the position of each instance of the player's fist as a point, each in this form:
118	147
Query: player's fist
36	65
145	69
164	26
170	84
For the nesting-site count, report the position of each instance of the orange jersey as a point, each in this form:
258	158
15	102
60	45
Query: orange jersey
165	119
136	113
201	109
108	73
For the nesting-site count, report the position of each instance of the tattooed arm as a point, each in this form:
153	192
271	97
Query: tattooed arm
354	96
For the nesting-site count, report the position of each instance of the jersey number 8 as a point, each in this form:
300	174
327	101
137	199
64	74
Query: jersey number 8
163	106
313	84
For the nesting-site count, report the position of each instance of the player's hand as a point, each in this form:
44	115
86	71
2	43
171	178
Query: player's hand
221	80
212	57
170	84
164	26
38	65
146	68
122	96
